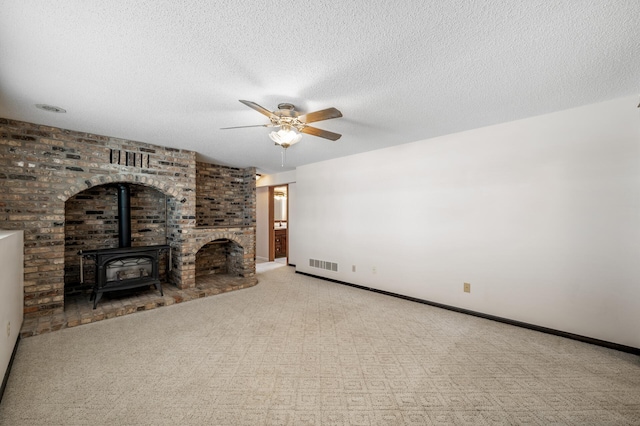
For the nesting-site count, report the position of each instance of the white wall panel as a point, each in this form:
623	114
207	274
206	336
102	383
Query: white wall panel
541	216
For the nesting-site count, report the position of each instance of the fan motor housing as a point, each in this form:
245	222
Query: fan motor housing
286	110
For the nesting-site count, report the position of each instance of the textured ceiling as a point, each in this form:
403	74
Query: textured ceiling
171	72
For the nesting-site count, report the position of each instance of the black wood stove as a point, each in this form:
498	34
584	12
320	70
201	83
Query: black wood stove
124	267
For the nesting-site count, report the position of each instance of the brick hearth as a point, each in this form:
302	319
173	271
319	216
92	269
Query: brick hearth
78	310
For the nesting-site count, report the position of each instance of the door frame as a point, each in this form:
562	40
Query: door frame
272	225
272	231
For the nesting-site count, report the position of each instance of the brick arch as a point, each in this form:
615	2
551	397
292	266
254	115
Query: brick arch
75	236
84	184
195	239
219	236
235	254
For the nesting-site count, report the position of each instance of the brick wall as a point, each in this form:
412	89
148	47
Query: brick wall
43	168
224	196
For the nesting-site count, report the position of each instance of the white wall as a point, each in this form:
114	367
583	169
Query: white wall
540	215
11	294
277	179
292	225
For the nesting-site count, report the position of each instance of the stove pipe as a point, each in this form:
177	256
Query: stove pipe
124	216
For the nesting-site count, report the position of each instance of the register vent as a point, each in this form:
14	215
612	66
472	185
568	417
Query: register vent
322	264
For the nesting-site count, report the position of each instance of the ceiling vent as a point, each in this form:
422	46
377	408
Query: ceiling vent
51	108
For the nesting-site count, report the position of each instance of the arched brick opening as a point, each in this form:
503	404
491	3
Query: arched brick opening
220	257
91	223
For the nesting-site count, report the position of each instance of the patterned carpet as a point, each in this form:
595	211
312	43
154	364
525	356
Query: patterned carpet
295	350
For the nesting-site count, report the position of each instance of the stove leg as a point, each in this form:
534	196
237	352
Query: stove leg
98	296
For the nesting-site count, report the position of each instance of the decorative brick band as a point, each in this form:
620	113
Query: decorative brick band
83	184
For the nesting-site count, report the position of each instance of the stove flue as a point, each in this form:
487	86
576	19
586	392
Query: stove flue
124	216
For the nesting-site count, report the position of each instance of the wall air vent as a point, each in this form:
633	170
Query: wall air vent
322	264
129	158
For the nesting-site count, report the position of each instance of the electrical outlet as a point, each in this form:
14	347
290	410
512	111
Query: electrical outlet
467	288
353	268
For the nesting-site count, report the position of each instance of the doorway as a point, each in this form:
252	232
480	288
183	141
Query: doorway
278	223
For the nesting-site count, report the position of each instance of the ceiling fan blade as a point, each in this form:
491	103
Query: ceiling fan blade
258	108
324	114
242	127
321	133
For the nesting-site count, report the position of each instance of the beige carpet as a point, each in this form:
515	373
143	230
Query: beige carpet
294	350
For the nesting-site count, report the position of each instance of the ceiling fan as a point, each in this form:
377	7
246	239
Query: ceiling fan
292	123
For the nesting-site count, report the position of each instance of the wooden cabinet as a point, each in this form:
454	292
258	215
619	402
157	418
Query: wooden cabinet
281	243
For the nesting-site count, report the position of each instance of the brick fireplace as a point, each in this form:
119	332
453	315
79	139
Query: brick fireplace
59	187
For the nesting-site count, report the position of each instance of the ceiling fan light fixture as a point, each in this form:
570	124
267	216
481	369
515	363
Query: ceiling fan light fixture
292	124
285	137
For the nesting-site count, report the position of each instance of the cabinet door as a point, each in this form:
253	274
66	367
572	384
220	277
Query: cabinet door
280	243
